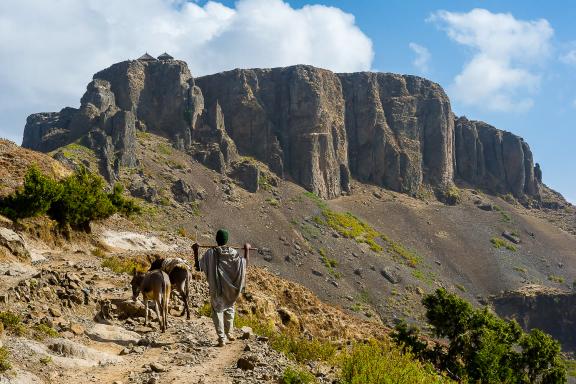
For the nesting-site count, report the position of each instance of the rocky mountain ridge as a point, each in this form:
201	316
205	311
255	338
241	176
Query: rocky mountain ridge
309	125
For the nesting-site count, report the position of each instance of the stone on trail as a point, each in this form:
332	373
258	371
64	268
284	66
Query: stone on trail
15	243
112	334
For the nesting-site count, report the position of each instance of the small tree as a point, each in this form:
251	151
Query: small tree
83	199
34	198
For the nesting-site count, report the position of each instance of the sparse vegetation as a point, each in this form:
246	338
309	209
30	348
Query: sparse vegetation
45	360
520	269
264	183
74	201
556	279
498	243
504	216
379	362
273	202
329	263
289	341
349	226
12	323
43	331
205	310
4	359
165	149
452	195
124	264
297	376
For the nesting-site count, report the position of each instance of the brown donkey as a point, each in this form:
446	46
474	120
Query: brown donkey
154	285
179	274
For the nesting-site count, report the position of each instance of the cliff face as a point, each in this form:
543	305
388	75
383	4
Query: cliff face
495	160
291	118
310	125
399	129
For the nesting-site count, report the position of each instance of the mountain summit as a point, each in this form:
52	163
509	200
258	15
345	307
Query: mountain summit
310	125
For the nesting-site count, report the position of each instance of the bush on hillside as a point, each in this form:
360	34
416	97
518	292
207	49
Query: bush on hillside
34	198
483	347
74	201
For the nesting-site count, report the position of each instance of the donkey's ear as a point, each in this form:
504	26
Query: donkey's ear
134	271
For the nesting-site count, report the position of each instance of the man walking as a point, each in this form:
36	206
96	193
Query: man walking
226	274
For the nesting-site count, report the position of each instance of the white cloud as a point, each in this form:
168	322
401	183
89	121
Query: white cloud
50	49
502	73
569	57
422	57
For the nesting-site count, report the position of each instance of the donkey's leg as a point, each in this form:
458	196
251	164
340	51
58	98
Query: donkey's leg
166	303
146	311
158	309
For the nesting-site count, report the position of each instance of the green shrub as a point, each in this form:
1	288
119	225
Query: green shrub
125	265
34	198
123	205
297	376
378	362
83	199
43	331
12	323
451	196
289	341
75	200
484	348
501	243
4	360
556	279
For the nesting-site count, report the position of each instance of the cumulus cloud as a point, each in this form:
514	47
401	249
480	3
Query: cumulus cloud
422	57
50	49
506	53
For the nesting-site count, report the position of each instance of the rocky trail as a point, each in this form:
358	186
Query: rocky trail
101	336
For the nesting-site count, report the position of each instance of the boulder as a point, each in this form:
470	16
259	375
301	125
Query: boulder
14	243
247	174
112	334
390	275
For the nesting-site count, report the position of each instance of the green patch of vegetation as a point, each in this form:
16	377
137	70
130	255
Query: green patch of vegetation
460	287
74	201
164	149
556	279
452	195
329	263
498	243
273	202
142	135
483	348
165	201
424	276
45	360
504	216
297	376
379	362
12	323
520	269
509	198
205	310
264	183
349	226
126	265
181	232
570	367
4	360
397	249
43	331
289	341
309	232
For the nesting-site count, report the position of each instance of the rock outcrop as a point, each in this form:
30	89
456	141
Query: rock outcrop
290	118
309	125
400	130
495	160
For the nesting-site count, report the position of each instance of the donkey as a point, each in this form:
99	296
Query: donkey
154	285
179	274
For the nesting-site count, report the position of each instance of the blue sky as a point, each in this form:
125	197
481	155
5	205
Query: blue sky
509	63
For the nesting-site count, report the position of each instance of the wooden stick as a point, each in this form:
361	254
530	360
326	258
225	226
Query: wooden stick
234	247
